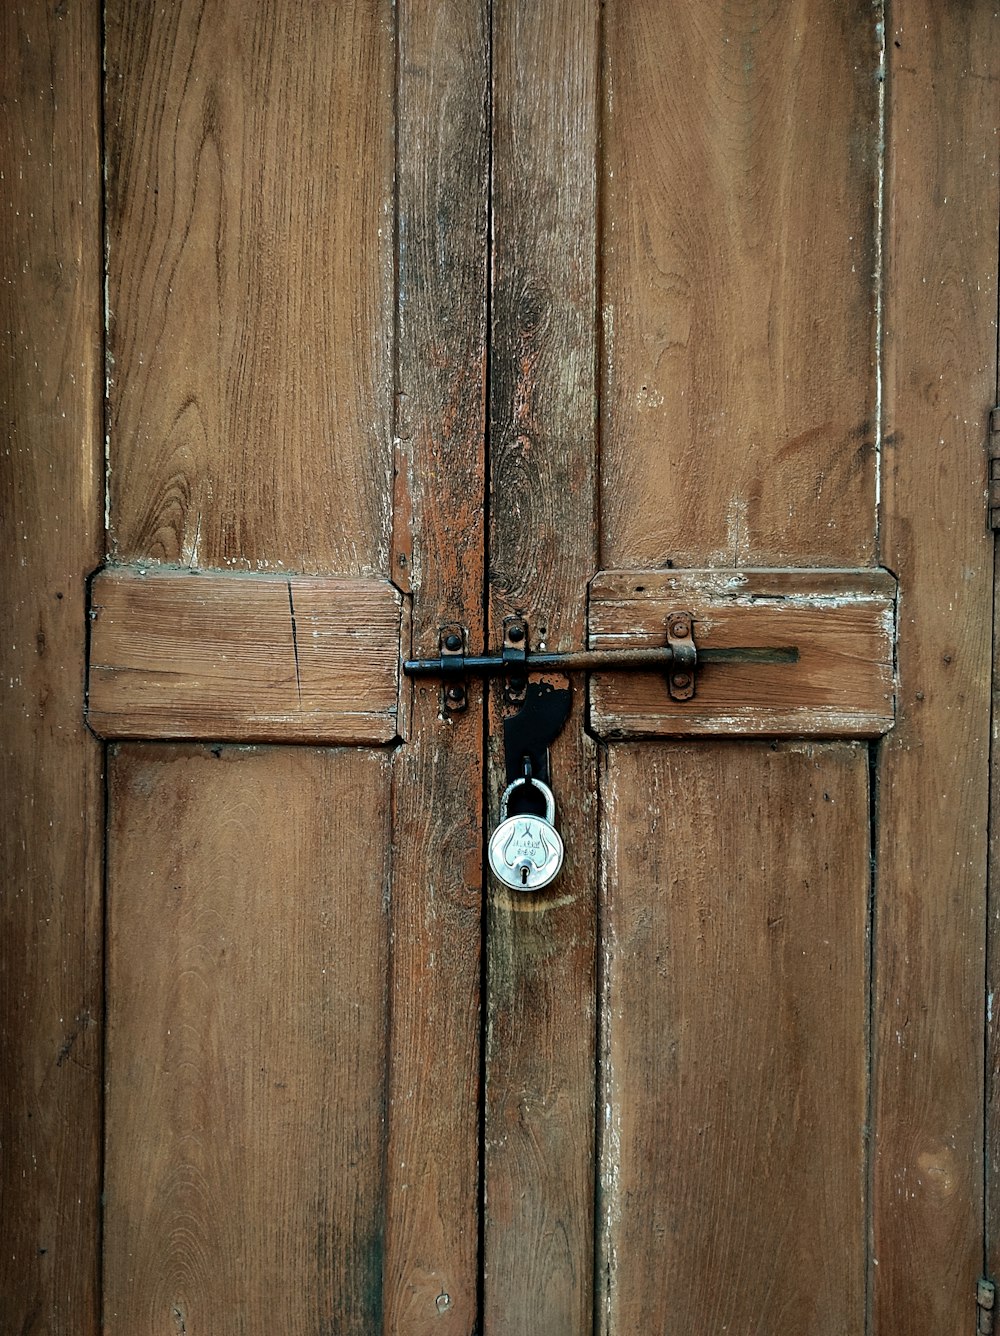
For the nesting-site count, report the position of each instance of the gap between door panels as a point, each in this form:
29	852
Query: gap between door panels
991	931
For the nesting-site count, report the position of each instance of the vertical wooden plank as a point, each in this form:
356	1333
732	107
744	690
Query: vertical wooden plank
940	374
432	1245
246	1040
737	288
738	196
992	1072
249	215
50	767
735	999
540	1060
251	279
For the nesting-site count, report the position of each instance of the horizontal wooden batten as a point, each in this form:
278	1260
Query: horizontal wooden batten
841	621
243	658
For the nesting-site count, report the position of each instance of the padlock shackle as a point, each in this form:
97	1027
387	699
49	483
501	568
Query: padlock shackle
524	781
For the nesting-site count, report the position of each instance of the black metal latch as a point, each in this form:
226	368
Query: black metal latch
678	658
528	841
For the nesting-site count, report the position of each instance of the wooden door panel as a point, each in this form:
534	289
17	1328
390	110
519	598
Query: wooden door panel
543	539
50	766
734	1003
745	289
432	1262
738	286
841	624
252	421
247	1008
930	920
435	314
250	283
243	657
739	303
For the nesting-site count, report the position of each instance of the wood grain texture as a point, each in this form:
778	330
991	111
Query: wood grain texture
940	376
50	766
540	1006
246	1040
243	657
738	295
841	622
734	1000
992	1073
739	182
432	1227
250	278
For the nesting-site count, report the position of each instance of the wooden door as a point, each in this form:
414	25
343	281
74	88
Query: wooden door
419	317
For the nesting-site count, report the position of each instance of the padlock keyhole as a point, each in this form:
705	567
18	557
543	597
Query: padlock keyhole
524	874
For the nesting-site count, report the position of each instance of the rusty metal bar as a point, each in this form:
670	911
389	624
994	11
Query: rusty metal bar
645	659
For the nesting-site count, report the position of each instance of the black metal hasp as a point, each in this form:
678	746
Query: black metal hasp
679	658
529	732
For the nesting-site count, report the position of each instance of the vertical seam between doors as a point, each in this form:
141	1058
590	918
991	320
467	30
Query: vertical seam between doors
485	805
990	818
104	500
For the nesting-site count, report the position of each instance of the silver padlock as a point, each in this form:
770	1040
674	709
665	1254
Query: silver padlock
526	852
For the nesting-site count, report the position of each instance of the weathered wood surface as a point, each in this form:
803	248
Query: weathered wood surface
739	182
50	766
251	258
735	903
250	221
432	1208
250	283
247	1009
175	654
738	313
540	1005
992	1073
942	207
841	622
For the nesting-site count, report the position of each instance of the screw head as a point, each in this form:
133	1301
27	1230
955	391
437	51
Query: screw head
455	694
515	632
679	629
682	680
517	684
453	641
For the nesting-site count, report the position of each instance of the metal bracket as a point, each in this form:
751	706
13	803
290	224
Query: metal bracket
514	656
680	638
454	690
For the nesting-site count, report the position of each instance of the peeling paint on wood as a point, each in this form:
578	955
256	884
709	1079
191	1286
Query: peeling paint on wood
841	622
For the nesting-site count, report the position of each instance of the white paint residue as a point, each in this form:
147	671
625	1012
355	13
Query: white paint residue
190	557
737	530
610	1170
